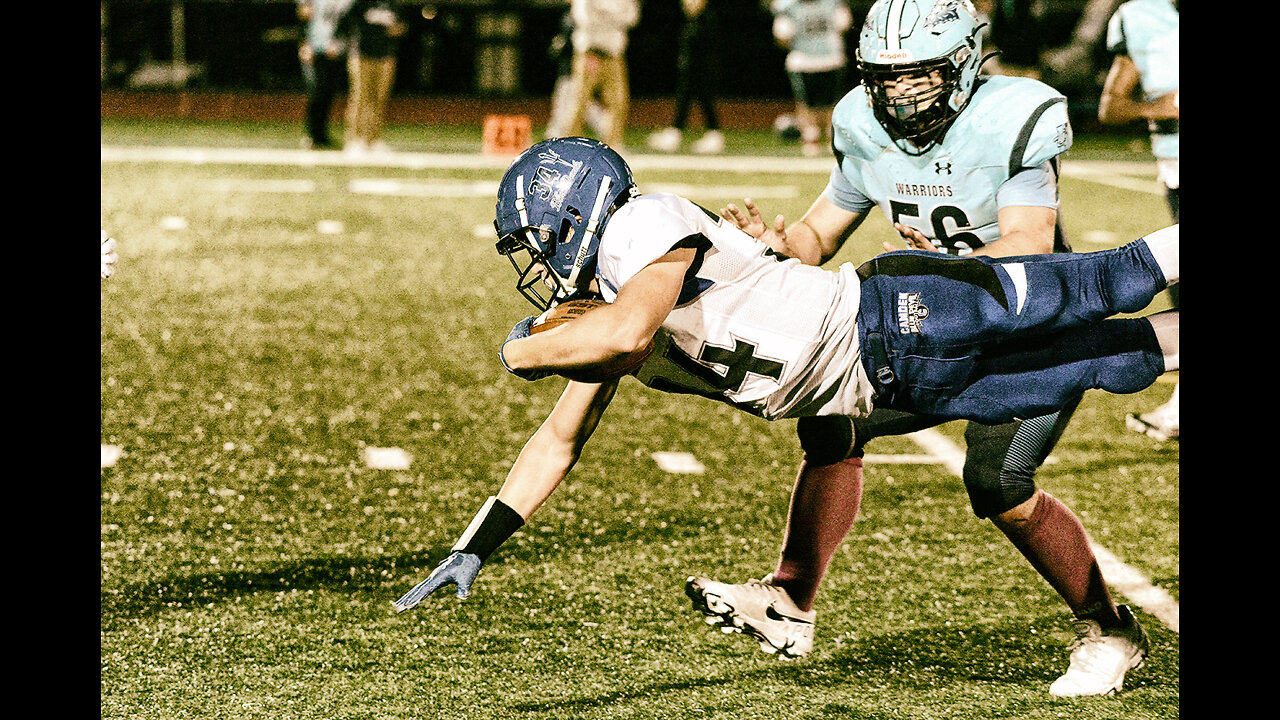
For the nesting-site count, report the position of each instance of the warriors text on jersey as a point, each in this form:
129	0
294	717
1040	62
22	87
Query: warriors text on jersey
751	328
949	193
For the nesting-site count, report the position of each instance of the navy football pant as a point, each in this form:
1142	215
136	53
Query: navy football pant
998	339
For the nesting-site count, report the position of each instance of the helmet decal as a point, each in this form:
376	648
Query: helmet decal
948	11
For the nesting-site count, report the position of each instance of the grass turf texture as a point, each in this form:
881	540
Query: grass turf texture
249	557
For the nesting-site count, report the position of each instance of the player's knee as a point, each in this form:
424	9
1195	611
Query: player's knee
997	477
992	494
827	439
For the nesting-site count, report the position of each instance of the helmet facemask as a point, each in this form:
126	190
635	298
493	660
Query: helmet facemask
921	112
536	280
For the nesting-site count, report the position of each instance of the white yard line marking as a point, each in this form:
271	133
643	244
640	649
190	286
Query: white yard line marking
429	187
386	458
1114	175
261	185
110	454
464	161
1124	578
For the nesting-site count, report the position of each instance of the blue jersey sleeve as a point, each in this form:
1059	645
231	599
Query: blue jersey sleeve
1036	187
844	195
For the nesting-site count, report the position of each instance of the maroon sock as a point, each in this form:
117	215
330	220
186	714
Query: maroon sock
1056	544
824	505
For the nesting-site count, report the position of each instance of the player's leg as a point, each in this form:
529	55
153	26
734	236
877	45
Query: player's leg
1028	377
824	505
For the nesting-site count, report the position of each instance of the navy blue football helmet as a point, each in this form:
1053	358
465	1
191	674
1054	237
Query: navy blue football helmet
553	204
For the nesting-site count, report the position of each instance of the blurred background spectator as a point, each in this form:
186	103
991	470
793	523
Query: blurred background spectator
599	39
813	31
322	54
697	79
374	29
564	94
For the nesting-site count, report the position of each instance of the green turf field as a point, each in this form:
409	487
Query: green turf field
249	555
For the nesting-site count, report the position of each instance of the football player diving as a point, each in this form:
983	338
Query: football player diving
966	165
731	319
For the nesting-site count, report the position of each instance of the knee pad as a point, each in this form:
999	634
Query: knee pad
826	439
1001	463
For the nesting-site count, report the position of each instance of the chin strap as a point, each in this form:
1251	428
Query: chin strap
592	224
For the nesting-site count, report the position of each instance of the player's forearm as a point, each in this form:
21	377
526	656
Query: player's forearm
1017	243
590	340
1117	110
805	244
537	472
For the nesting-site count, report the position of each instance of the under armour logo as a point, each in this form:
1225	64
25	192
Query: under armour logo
942	166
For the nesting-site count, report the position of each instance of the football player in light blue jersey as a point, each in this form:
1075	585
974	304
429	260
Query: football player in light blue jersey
812	31
1143	34
966	165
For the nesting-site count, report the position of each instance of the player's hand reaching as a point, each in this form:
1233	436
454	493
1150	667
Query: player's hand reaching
752	223
915	240
459	569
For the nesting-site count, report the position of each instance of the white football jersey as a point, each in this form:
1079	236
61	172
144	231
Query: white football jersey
754	329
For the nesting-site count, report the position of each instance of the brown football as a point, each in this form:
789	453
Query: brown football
615	368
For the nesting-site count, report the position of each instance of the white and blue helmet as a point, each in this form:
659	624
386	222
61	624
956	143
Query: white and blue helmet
553	204
904	39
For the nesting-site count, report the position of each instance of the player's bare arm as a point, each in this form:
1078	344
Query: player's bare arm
620	328
1024	230
551	452
813	240
1118	105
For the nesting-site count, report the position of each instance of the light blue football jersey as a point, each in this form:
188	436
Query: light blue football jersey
819	30
1147	31
949	192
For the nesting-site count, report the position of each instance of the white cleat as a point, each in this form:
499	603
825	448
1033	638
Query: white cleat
1160	424
1099	660
711	143
665	140
756	608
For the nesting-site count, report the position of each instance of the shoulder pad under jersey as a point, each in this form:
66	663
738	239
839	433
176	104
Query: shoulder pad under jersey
855	130
1012	121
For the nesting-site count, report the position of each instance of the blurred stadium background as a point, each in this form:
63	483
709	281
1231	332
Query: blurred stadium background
463	58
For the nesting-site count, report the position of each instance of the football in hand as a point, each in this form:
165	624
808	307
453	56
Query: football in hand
602	372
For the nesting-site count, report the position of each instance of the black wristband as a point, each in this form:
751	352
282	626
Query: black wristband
491	527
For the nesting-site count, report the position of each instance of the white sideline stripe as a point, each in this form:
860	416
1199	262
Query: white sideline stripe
262	185
1113	176
464	189
1103	171
1124	578
424	160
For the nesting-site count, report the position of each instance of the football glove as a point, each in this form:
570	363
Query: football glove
521	330
459	568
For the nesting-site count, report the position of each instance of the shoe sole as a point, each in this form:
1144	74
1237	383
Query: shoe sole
729	622
1119	684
